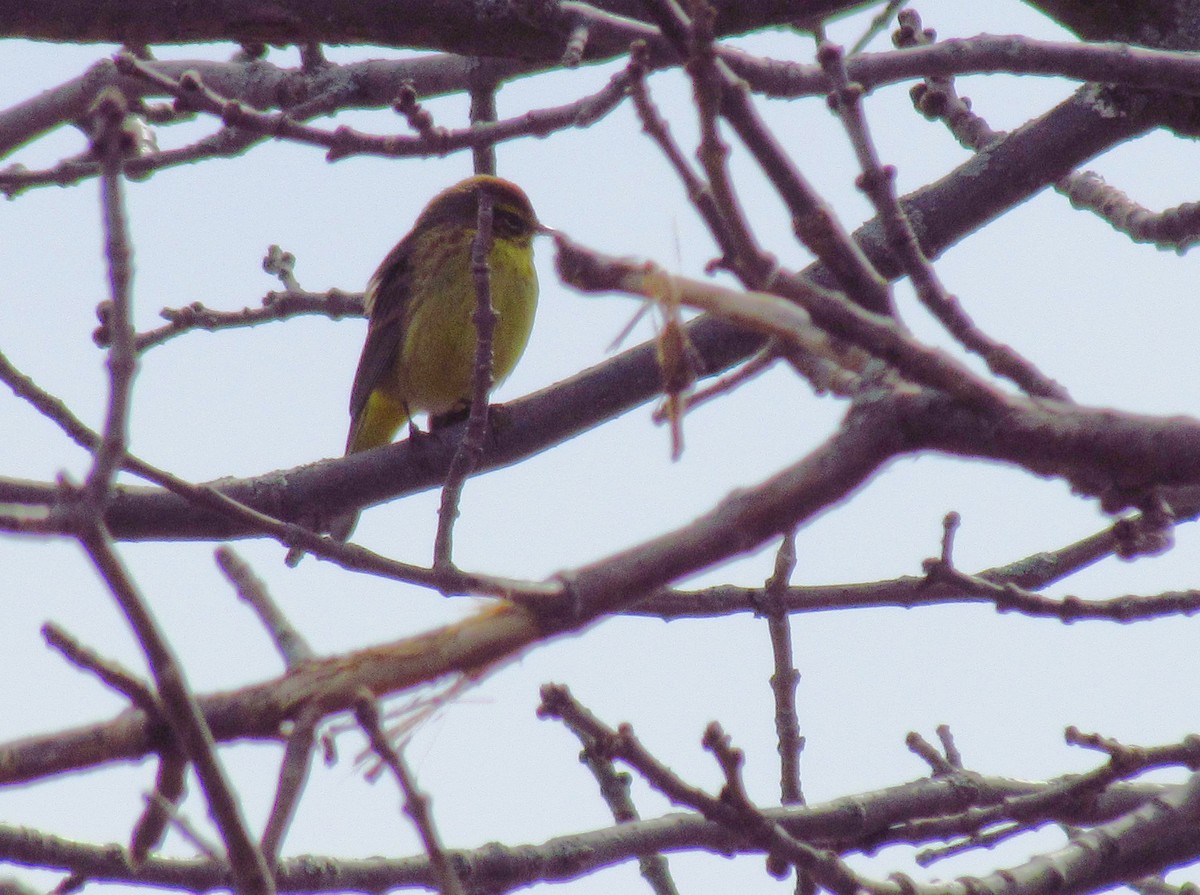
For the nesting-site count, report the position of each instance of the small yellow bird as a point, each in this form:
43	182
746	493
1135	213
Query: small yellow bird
419	356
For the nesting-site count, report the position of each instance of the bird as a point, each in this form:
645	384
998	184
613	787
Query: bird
419	355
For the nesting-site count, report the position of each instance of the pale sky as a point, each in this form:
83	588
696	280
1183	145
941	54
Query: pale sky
1112	321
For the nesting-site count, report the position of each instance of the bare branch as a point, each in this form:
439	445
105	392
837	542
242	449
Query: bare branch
183	713
416	803
111	673
276	306
1175	228
169	789
112	143
867	818
1170	70
291	643
878	182
590	271
614	786
246	127
785	678
470	449
293	774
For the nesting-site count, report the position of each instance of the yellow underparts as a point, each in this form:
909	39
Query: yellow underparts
434	367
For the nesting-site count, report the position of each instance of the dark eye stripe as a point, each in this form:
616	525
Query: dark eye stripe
507	222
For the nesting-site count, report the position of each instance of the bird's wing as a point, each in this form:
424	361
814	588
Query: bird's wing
387	301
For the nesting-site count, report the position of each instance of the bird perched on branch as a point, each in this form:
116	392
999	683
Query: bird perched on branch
420	351
419	356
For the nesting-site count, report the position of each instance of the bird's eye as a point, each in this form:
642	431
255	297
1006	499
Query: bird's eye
508	222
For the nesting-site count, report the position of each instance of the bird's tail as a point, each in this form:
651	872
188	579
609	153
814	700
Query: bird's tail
376	424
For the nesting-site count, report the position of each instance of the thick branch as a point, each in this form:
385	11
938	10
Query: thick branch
1159	23
1167	70
984	187
1134	451
864	818
530	31
1116	456
739	524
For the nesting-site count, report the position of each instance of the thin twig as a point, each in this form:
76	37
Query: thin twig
1016	812
333	304
655	126
177	704
470	449
592	271
713	151
615	790
785	678
57	412
182	713
878	182
731	810
483	111
1168	71
293	774
912	591
418	117
949	747
938	763
988	839
281	264
1009	597
572	857
169	789
348	556
717	90
109	671
936	97
288	641
1030	573
784	681
110	144
359	85
343	142
878	24
170	812
950	525
201	495
1138	758
416	803
1175	228
755	366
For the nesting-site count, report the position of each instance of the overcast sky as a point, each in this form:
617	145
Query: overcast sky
1114	322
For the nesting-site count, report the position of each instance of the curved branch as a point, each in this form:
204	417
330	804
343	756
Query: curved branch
739	524
1018	579
276	306
1133	453
985	186
372	84
244	125
498	868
